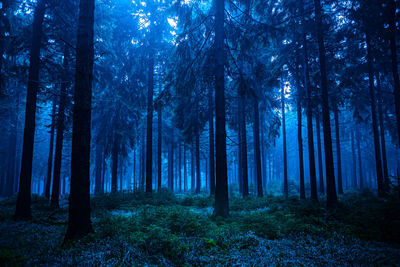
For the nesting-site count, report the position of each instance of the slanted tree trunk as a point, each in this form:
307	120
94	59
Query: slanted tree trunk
331	196
211	137
51	150
338	152
23	208
159	148
285	174
221	186
319	147
378	161
149	135
60	131
79	223
257	152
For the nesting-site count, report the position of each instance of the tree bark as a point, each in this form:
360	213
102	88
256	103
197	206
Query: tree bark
257	152
285	174
382	133
211	137
221	185
60	131
114	174
23	208
198	177
243	144
170	167
319	145
51	150
359	158
338	151
378	161
331	196
79	223
354	163
149	135
395	68
159	148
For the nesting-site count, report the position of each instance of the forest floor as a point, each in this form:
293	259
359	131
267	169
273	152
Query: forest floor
168	230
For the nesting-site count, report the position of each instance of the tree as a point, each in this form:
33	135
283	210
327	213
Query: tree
23	209
331	196
79	223
221	180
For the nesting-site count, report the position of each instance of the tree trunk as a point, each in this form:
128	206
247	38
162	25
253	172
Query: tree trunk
159	148
149	135
221	185
285	174
192	169
338	152
98	167
378	161
12	151
114	175
319	145
23	208
331	196
79	223
382	133
359	159
60	132
393	54
243	144
257	152
180	167
300	143
170	167
211	136
354	163
184	169
198	177
51	150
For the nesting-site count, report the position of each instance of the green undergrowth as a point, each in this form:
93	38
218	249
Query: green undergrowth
167	229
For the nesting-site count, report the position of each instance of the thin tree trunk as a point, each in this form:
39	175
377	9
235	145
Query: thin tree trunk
98	167
60	132
395	67
198	178
354	163
331	196
149	135
184	169
360	169
180	167
285	174
382	133
115	152
23	208
79	223
338	152
300	143
211	136
192	180
244	167
159	148
378	161
170	167
51	150
257	152
319	145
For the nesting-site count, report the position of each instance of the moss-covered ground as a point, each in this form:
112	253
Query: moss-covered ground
134	229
